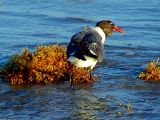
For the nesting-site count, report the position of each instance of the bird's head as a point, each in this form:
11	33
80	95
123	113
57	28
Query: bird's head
108	27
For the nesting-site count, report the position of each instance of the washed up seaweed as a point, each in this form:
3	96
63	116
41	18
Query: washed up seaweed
47	64
152	71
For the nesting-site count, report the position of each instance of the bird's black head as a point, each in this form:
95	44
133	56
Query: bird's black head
108	27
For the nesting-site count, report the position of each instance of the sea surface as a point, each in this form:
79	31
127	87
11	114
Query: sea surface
118	94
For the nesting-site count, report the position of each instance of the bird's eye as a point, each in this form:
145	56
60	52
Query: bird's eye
111	23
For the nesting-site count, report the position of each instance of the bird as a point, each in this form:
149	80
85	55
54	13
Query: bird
86	48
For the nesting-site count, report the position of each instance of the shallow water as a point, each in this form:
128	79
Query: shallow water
30	23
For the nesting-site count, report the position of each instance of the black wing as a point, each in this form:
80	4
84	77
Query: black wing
75	44
94	45
86	43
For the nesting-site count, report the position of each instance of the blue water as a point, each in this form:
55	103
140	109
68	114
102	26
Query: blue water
28	23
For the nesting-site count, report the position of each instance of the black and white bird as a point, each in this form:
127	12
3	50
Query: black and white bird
86	48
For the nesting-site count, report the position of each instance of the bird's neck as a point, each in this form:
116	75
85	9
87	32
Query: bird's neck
101	33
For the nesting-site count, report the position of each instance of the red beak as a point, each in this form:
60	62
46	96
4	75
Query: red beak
118	29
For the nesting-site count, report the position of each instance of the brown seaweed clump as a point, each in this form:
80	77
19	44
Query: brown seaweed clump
47	64
152	72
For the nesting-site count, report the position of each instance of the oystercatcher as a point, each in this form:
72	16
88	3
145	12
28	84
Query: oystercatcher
86	48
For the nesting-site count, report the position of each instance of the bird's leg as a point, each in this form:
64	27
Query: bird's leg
71	80
90	73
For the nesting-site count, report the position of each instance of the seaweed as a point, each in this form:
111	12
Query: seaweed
47	64
152	71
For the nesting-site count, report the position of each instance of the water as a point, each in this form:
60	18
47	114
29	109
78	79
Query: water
30	23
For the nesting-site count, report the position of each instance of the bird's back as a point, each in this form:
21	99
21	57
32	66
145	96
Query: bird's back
86	43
